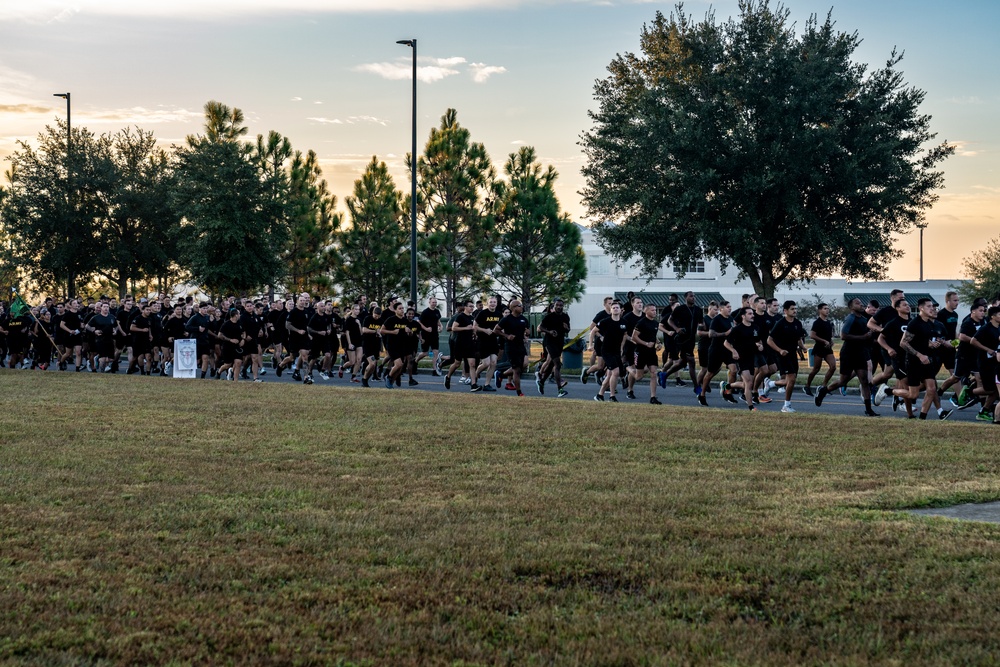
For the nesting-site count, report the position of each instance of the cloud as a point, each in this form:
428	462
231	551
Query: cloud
350	120
962	149
296	99
967	100
519	142
24	108
138	116
403	69
482	72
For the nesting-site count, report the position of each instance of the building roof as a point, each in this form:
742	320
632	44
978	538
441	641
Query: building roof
662	299
883	298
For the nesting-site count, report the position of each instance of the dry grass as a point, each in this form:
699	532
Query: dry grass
185	522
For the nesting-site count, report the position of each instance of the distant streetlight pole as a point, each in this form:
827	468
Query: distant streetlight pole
70	286
413	180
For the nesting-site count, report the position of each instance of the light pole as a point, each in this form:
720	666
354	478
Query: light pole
413	180
70	282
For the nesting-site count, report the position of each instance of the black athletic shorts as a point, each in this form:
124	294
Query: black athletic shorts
788	364
628	353
917	372
645	356
821	352
854	359
429	341
298	342
612	360
745	363
685	346
599	347
965	367
488	346
947	356
553	349
515	353
717	358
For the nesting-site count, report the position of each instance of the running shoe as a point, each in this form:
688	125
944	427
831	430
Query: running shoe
563	384
324	375
613	399
871	413
510	386
355	379
447	382
540	385
340	373
599	398
364	382
562	393
308	380
787	408
584	375
821	394
680	383
984	416
764	399
697	390
702	400
496	378
880	394
297	376
263	371
655	401
388	382
413	383
258	381
944	414
278	370
765	390
475	387
488	388
466	380
661	379
896	402
843	392
631	395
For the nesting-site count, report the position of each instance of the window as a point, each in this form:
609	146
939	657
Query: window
599	265
697	266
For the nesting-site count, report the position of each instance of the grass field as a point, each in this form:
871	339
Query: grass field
185	522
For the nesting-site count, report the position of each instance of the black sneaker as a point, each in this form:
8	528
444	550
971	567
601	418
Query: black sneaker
296	376
871	413
703	400
655	401
631	395
808	391
820	395
308	380
680	383
447	382
475	387
944	414
584	375
364	382
599	398
613	399
413	383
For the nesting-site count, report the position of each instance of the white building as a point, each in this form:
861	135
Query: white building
607	277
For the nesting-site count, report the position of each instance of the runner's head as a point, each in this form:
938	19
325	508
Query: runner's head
515	307
927	308
978	313
689	298
725	309
902	307
790	308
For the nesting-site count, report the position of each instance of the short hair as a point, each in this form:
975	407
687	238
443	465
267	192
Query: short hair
895	292
760	298
875	303
723	303
924	300
788	304
948	295
993	310
713	303
821	306
898	302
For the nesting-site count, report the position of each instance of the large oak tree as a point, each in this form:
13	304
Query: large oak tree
769	150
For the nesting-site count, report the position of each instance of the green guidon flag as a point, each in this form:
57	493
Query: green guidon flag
18	308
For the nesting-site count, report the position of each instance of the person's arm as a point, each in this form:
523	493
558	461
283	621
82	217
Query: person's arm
774	346
906	344
874	326
884	344
728	345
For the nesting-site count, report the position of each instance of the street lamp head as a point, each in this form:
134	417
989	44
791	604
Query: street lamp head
65	96
406	42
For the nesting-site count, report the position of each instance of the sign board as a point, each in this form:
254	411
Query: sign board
185	358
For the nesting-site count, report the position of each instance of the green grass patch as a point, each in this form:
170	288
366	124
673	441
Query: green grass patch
149	521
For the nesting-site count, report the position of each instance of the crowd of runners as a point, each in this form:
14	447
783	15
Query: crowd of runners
755	349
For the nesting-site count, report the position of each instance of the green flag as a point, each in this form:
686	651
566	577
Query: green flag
18	308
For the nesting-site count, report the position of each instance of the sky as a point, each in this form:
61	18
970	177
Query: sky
329	75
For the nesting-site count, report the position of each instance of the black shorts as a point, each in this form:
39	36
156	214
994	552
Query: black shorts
703	356
947	356
298	342
685	347
965	367
645	357
430	342
988	375
745	364
854	359
488	347
140	345
760	360
717	358
917	372
554	350
599	347
788	364
515	353
821	352
612	361
628	353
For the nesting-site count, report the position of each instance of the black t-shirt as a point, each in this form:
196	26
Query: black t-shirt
949	318
922	333
140	322
630	319
352	326
857	325
105	324
174	327
515	325
321	322
884	315
764	324
743	338
989	337
686	317
613	333
72	320
721	326
430	318
823	329
557	323
462	320
193	325
299	319
647	330
704	341
231	330
969	328
398	340
893	333
488	319
600	316
787	334
371	326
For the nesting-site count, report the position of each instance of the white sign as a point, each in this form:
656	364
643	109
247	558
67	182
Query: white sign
185	358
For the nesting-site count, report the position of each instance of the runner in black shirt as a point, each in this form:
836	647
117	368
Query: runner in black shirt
554	328
371	344
486	321
890	340
514	329
231	337
703	343
948	316
854	356
785	340
395	333
103	326
198	328
72	325
430	326
685	319
630	319
462	326
744	346
297	324
822	351
612	332
644	339
142	340
966	358
987	343
923	337
596	343
718	355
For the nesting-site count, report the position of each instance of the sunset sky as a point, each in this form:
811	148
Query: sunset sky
329	75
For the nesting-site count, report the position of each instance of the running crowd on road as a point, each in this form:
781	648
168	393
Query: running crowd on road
757	346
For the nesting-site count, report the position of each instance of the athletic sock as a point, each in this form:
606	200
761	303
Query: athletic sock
787	404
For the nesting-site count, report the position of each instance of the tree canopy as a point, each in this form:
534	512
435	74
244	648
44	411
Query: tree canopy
768	150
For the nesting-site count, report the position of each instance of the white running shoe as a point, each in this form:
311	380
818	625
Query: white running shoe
787	408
